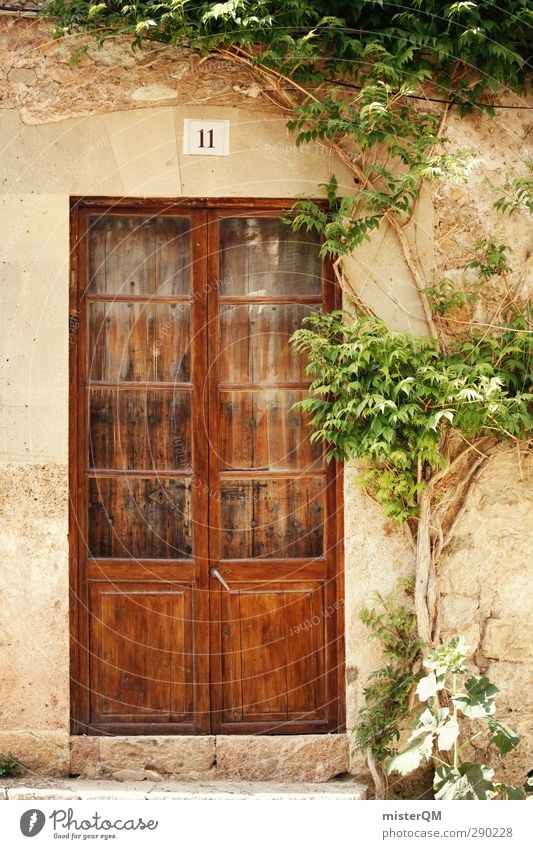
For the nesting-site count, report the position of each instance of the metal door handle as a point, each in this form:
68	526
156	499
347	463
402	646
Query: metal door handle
216	574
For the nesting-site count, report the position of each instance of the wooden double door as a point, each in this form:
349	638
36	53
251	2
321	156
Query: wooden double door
205	533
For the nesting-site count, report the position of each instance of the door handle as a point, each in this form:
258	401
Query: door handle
216	574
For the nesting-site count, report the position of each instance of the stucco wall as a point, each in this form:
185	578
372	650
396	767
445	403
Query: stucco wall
88	131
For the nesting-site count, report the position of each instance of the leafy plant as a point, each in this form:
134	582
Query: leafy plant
399	405
386	695
396	41
490	260
446	295
9	766
390	398
352	76
438	730
518	194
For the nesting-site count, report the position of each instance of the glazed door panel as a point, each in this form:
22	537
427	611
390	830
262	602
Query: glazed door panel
273	523
142	602
206	565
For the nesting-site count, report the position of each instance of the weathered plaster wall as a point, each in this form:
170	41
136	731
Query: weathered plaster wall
89	131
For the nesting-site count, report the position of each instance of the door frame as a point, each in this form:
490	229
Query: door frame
78	617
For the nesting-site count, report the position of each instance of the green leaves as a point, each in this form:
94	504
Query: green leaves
322	39
518	193
502	737
393	623
478	700
448	734
355	69
428	687
9	766
448	658
469	781
389	398
491	259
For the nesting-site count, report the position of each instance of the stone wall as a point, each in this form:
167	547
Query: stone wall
112	126
486	593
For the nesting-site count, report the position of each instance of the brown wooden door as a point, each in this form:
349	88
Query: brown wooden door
206	592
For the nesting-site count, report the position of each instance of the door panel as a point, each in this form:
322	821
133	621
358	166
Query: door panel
141	476
262	256
254	343
271	518
142	666
139	342
273	644
206	573
132	255
263	431
140	517
148	429
272	639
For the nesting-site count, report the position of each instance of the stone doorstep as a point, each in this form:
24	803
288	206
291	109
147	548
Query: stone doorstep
79	789
296	759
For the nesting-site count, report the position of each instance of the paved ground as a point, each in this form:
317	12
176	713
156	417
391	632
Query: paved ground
78	788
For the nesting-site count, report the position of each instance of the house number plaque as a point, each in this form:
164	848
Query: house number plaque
205	137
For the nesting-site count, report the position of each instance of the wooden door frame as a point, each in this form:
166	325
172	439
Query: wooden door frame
78	614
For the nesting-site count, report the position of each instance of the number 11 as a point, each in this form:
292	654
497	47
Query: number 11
210	133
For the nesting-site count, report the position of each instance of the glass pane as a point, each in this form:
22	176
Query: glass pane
254	343
137	517
138	342
272	518
260	430
130	255
262	256
140	429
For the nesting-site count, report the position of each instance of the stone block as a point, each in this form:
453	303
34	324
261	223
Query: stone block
309	758
26	76
457	612
129	775
152	775
45	752
459	574
153	93
84	754
514	595
507	640
515	683
112	55
184	756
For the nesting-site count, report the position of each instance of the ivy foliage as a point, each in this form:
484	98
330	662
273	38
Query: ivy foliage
389	398
395	40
